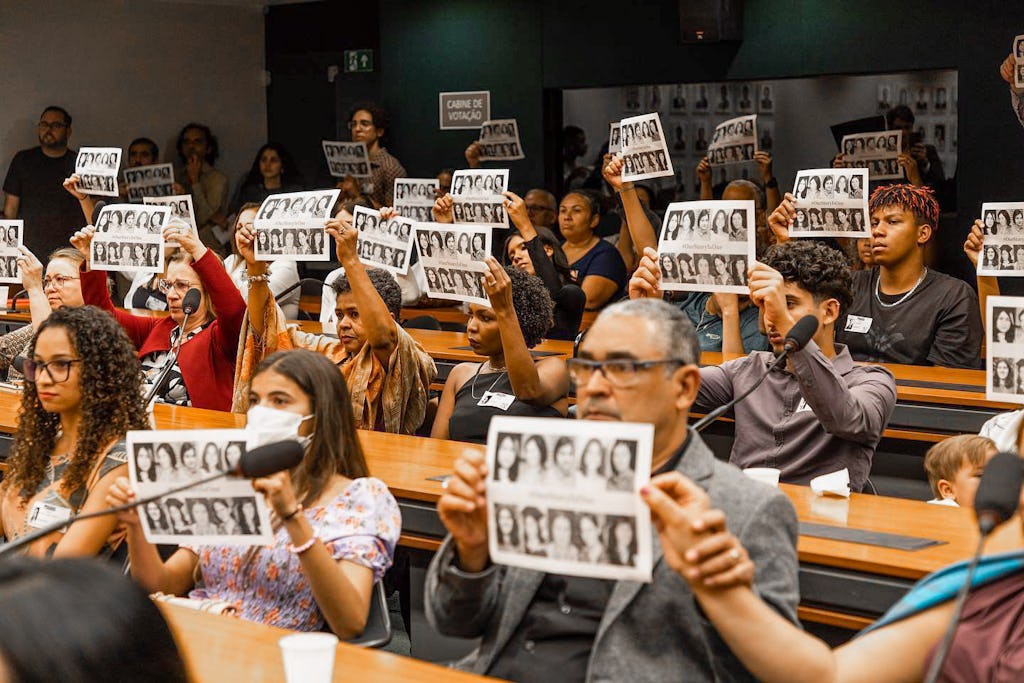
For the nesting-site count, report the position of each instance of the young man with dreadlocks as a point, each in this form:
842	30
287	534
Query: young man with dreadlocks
903	311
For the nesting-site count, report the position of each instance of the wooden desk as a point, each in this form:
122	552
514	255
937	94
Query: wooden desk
456	315
219	648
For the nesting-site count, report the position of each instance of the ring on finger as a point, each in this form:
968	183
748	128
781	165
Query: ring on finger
734	555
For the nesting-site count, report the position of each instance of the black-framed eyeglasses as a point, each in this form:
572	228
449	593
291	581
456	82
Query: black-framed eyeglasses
58	370
620	372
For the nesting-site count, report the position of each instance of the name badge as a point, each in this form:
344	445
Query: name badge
857	324
496	399
45	514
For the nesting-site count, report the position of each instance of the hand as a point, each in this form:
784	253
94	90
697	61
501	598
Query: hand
975	242
704	171
839	161
717	559
515	207
71	185
345	239
443	209
350	188
82	239
278	491
245	238
498	286
463	510
193	167
909	166
919	152
676	503
473	154
387	213
121	493
768	292
781	219
612	172
646	280
1007	69
31	270
188	241
178	188
728	303
764	162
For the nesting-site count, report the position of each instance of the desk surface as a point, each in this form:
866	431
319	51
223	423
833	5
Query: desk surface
220	648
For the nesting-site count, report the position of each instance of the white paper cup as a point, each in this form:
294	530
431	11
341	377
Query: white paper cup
308	657
765	475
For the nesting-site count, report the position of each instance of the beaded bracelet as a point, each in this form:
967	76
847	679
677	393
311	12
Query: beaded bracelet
298	550
246	278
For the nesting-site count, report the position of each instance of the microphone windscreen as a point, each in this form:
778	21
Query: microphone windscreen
270	459
190	302
96	211
19	364
801	333
998	495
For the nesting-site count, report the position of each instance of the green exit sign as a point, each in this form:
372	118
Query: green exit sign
358	61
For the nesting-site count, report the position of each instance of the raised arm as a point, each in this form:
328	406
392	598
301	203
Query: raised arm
442	210
543	266
381	329
32	281
704	177
87	203
259	297
641	232
781	219
988	285
772	197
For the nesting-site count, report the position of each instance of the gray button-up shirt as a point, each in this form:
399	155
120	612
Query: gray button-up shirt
816	417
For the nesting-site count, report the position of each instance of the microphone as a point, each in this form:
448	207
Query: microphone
997	500
189	304
803	331
261	461
97	207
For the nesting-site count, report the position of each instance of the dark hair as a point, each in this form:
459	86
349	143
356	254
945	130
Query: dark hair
558	257
146	141
289	170
815	268
111	402
513	536
335	447
212	148
631	446
385	284
592	200
377	113
97	625
919	201
541	446
533	305
900	111
60	110
583	454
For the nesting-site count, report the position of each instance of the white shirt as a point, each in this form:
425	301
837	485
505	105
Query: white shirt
1002	429
283	274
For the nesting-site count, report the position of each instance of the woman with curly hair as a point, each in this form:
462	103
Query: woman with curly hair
82	394
335	528
509	382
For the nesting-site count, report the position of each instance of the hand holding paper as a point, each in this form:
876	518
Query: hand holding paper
646	280
463	510
974	243
443	209
767	291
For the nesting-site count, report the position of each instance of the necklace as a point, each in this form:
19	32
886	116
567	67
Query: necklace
472	386
878	296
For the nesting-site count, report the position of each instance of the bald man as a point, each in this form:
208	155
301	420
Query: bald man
542	207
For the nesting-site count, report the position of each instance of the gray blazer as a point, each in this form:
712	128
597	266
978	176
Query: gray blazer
649	632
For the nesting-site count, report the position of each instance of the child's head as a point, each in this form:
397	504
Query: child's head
954	467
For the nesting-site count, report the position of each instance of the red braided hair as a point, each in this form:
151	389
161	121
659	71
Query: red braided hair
919	201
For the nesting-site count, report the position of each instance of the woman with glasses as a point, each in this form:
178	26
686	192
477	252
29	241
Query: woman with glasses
202	374
509	382
81	396
59	287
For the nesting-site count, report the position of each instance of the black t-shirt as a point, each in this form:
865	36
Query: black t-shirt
50	213
939	324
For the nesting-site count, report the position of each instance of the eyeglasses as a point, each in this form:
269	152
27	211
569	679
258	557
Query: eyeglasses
53	125
360	124
621	373
538	209
180	286
58	370
58	281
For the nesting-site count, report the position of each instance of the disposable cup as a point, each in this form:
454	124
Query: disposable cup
765	475
308	657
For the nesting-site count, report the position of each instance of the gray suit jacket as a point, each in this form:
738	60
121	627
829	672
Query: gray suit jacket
649	632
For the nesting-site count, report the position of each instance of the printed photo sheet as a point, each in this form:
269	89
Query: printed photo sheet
499	141
290	226
453	260
129	238
707	246
614	137
414	197
734	141
96	168
877	152
1018	58
149	181
644	151
181	208
563	496
1003	253
831	202
347	159
383	243
477	197
1004	317
225	511
11	236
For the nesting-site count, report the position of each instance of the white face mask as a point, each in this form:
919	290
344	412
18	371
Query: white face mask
271	425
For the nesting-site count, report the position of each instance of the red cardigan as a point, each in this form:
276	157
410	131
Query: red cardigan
207	361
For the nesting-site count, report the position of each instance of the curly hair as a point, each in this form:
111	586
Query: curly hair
532	304
377	113
110	382
385	284
919	201
212	147
814	267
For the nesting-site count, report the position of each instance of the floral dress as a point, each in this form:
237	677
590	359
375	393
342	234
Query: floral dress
267	584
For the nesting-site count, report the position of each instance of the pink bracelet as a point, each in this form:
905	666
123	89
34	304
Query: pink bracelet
298	550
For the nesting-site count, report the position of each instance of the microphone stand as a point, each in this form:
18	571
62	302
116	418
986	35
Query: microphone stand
162	377
22	541
700	424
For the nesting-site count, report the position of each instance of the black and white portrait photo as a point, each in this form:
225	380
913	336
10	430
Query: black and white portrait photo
291	226
831	202
707	246
644	148
499	141
97	168
477	197
346	159
149	181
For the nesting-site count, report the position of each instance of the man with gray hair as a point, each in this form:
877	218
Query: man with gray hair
638	363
